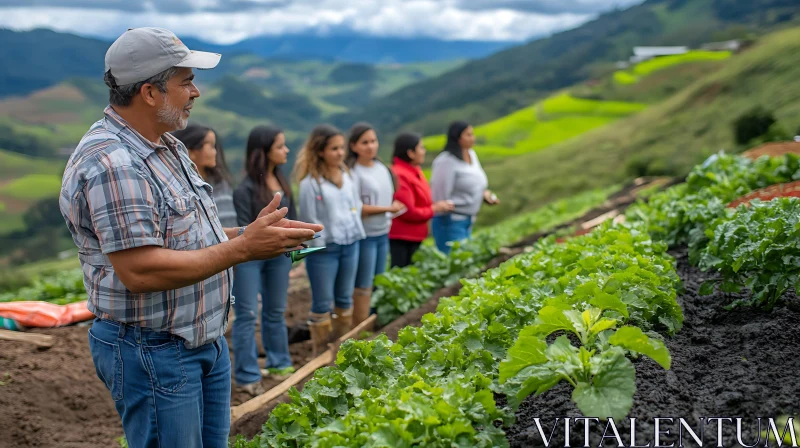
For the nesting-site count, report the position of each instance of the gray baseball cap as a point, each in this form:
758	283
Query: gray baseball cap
141	53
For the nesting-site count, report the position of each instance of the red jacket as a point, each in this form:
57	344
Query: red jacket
413	191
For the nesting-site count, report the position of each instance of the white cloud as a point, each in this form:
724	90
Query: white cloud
228	21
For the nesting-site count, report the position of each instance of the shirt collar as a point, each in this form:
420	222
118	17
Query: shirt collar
141	145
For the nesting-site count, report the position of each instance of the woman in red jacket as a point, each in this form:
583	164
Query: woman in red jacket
410	225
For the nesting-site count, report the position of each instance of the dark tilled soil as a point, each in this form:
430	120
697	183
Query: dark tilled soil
738	363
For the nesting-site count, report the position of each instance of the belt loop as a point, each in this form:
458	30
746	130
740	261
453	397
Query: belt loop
137	332
121	331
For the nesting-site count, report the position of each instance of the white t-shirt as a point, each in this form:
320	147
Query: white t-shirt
374	184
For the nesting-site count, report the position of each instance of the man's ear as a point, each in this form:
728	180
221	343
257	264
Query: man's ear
149	93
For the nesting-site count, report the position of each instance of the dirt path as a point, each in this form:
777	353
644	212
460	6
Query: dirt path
53	397
740	363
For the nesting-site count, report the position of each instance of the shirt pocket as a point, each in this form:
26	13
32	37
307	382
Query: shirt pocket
205	194
183	227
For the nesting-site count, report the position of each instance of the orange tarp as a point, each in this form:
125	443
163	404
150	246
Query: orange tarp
791	189
45	314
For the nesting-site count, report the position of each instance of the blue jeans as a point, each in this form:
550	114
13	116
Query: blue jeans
332	274
446	229
373	254
271	279
166	394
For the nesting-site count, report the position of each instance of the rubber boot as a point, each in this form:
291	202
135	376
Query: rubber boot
320	327
361	305
342	322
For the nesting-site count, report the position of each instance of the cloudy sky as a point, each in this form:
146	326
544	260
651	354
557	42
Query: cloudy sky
228	21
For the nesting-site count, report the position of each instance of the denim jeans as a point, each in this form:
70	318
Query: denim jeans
166	394
372	258
332	274
271	279
446	229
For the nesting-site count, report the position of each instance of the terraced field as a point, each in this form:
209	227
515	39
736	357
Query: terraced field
554	120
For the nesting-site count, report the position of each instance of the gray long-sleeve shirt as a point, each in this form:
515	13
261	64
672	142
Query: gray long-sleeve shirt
339	210
223	197
458	181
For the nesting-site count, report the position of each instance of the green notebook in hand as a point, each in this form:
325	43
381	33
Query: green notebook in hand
297	255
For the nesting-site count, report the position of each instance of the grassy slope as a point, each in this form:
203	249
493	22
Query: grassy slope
17	165
658	64
670	137
534	128
32	187
23	180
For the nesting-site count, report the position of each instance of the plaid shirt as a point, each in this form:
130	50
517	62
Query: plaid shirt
122	191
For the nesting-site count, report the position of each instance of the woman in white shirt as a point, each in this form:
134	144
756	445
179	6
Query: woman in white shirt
376	185
457	176
328	196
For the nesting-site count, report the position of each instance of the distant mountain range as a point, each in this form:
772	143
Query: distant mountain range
356	48
32	60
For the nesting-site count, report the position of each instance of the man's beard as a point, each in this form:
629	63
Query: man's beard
172	116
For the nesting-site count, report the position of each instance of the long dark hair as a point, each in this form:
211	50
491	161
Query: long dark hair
309	160
192	138
453	136
356	132
407	141
259	144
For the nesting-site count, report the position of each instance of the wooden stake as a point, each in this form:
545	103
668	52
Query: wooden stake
599	220
40	340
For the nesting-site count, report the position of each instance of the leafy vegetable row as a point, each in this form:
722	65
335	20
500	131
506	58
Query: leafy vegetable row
62	288
755	247
609	294
400	290
752	247
680	215
614	287
434	387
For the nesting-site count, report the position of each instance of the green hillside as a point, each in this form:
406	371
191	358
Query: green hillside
667	138
23	181
587	106
246	91
552	121
486	89
294	95
647	68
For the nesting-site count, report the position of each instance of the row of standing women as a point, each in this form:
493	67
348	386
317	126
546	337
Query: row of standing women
371	213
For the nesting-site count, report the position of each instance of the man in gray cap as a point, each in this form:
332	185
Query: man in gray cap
156	260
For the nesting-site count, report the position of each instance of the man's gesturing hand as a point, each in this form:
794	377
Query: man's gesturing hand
271	234
287	223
